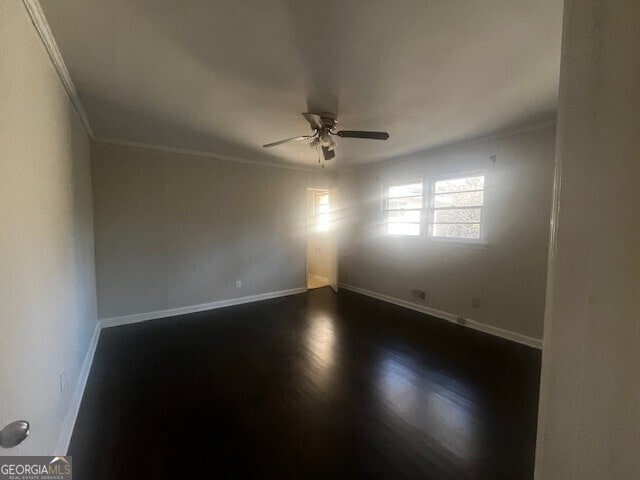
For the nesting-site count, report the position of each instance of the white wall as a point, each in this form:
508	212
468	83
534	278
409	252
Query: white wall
589	422
509	275
47	275
175	230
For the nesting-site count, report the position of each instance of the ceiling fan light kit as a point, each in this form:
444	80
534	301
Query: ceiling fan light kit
326	140
323	124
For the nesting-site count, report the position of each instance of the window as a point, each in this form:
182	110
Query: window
456	208
402	209
321	212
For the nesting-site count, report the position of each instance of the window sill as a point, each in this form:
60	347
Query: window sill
398	235
461	243
452	243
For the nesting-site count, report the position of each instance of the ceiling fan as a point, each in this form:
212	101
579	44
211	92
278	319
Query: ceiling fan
324	124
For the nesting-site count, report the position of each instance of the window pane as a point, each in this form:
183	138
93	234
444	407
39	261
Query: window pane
406	190
412	229
323	223
409	202
460	184
457	230
464	199
321	211
466	215
405	216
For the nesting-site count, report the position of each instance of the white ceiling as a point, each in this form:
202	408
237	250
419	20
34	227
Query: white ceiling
224	77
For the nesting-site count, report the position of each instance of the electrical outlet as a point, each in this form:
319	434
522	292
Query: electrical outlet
63	381
419	295
475	302
238	283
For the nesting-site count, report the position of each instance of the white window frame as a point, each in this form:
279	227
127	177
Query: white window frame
431	208
386	209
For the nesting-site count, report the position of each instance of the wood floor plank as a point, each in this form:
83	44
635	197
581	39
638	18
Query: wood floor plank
316	385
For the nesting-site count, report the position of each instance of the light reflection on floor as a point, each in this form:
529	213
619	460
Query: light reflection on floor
441	407
320	339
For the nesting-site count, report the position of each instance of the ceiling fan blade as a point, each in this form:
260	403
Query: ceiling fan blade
360	134
302	137
328	154
314	120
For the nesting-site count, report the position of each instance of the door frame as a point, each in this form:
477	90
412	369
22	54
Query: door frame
308	227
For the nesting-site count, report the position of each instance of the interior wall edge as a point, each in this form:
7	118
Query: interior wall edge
44	31
450	317
47	267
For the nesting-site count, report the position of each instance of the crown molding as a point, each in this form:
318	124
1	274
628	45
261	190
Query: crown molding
212	156
44	31
530	128
42	27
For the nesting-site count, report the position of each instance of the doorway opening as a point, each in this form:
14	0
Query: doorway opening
319	242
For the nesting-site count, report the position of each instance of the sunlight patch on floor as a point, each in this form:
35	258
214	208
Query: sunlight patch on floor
316	281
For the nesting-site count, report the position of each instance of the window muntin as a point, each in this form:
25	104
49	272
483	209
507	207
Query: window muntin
456	208
403	204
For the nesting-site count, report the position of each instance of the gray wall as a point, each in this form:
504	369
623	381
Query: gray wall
47	275
589	422
175	230
509	275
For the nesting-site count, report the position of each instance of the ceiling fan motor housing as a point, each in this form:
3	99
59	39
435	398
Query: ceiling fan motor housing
329	120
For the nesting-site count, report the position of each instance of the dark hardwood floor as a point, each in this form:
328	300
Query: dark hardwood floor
315	385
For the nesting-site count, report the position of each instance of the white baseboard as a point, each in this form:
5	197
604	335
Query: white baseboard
70	420
67	427
143	317
483	327
64	438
